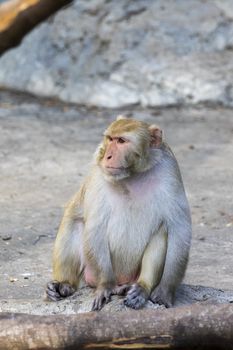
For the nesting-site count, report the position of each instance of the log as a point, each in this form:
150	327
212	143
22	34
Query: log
197	326
18	17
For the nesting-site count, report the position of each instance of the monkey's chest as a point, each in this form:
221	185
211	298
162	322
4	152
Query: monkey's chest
123	222
128	233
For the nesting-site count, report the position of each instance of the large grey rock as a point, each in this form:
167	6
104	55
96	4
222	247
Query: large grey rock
117	53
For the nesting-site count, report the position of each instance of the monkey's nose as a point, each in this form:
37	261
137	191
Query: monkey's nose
109	157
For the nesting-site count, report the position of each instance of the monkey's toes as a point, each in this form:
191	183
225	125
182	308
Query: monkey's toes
136	297
103	297
162	299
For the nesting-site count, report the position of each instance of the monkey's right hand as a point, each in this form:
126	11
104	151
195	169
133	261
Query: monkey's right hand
103	296
58	290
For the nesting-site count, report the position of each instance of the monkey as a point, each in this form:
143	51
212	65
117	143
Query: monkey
128	229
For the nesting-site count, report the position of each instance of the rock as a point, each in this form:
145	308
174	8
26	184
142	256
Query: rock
6	237
82	300
112	54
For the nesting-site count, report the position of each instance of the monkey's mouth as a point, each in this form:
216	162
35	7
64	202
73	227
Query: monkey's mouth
115	170
112	168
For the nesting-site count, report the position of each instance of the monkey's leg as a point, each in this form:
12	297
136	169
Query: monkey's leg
97	253
151	270
176	261
67	260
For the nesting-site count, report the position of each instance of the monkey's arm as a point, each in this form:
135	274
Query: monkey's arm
153	262
67	254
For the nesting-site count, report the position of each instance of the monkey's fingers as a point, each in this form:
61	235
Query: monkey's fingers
57	290
52	291
66	290
103	297
121	290
136	297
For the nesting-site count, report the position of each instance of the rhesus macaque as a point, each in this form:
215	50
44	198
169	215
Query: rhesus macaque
128	229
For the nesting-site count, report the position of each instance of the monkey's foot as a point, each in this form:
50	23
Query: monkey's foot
103	296
136	297
121	290
161	298
58	290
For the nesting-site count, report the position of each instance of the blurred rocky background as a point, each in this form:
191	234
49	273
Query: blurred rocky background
107	53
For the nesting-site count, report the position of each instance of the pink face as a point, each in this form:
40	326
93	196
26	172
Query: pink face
114	160
125	148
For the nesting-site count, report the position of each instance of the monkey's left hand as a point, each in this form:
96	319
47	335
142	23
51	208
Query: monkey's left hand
103	296
136	297
121	290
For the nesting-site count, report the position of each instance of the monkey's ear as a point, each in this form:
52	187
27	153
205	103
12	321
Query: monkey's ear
156	136
120	117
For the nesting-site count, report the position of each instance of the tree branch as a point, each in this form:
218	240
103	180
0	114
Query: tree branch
189	327
18	17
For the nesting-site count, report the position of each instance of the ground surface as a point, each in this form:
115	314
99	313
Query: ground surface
46	148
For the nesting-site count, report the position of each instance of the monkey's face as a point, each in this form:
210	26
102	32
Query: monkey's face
118	157
125	149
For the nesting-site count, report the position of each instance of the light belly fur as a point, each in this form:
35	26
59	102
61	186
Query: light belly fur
128	233
127	221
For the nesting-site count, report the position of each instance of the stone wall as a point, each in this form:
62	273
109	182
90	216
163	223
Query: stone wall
117	53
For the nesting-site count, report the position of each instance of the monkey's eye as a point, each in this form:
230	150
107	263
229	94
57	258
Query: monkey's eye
121	140
109	138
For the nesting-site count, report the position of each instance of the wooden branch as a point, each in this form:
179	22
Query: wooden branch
18	17
189	327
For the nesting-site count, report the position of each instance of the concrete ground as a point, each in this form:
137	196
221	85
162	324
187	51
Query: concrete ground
46	149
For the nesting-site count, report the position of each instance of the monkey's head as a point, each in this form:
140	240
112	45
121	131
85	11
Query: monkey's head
126	148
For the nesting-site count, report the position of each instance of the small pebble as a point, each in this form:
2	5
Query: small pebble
12	279
6	237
